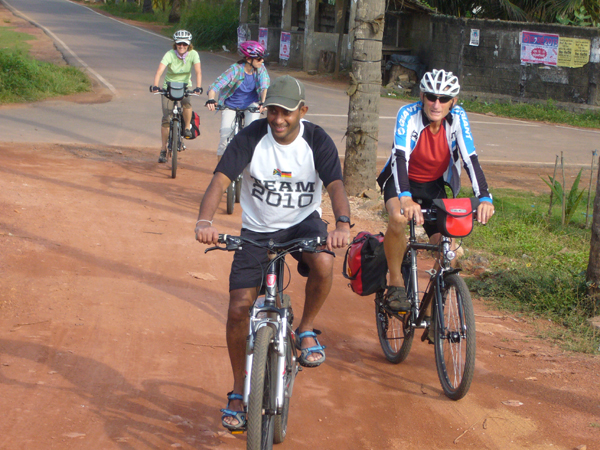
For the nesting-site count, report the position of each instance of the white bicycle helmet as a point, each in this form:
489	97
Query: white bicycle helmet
182	36
440	82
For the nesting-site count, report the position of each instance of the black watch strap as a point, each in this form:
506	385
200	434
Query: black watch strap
344	219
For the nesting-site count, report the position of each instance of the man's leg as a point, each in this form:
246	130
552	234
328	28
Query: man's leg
317	289
394	245
240	301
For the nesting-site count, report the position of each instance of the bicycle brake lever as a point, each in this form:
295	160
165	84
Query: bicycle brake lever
216	247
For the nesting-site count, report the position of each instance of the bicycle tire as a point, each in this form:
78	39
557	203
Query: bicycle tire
395	334
176	143
291	369
260	409
455	351
231	197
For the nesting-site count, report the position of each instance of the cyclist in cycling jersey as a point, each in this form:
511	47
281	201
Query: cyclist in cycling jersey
430	137
244	84
285	162
178	63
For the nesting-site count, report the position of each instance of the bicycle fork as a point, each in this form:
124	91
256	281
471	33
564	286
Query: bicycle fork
268	315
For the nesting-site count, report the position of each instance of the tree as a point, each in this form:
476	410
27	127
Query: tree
365	83
147	7
548	11
175	13
592	275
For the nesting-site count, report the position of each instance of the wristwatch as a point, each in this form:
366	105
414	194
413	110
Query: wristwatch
344	219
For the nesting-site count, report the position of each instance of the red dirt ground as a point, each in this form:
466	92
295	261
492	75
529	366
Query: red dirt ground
112	330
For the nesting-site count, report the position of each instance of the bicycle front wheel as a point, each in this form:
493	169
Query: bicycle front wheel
291	369
395	333
231	197
238	189
175	145
261	408
455	343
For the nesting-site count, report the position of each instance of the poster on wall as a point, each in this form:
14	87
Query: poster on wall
474	41
573	52
263	36
539	48
284	45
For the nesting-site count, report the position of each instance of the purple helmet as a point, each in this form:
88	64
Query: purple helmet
252	49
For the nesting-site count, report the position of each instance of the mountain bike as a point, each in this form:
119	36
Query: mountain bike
451	327
176	92
271	352
235	187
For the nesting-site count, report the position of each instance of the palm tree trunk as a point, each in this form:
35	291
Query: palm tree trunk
175	13
592	275
365	84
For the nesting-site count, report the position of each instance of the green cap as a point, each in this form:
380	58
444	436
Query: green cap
286	92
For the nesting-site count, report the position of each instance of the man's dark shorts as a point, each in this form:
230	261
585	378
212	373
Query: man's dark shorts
423	194
250	262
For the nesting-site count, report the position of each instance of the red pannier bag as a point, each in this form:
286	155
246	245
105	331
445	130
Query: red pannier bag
365	264
455	215
195	123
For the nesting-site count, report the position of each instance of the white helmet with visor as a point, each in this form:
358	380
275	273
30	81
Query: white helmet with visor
440	82
182	36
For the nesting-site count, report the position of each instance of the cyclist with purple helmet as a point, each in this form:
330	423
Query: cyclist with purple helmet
244	84
178	64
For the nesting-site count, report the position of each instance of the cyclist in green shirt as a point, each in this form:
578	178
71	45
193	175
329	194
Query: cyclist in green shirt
178	64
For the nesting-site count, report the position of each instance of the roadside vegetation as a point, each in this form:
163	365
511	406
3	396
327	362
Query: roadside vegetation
537	266
24	79
213	23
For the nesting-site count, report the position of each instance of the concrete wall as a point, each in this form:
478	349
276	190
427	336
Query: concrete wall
327	42
494	66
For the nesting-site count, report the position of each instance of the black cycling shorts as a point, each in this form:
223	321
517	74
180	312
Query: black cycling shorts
250	262
423	194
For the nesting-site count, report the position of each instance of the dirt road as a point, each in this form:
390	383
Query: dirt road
112	331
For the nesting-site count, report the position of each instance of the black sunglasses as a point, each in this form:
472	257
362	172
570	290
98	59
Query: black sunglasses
442	98
259	58
183	43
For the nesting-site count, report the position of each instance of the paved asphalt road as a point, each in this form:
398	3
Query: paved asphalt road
124	58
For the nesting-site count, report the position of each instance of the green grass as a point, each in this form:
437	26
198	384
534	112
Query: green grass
537	266
14	40
23	79
547	111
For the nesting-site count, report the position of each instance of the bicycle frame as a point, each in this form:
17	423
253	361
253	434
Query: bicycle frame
436	282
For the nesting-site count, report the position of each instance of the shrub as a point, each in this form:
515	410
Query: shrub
212	23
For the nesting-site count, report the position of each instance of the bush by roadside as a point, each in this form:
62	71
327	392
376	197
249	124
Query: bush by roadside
24	79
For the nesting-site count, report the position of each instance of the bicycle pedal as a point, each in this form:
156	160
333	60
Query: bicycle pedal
237	431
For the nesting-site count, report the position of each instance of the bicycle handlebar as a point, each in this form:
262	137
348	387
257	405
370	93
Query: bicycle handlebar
302	244
187	92
252	109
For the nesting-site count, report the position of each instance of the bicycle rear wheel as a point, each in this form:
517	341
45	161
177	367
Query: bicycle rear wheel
231	197
261	408
175	144
395	333
291	369
455	343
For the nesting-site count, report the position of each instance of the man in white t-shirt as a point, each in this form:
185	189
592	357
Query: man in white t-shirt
284	161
